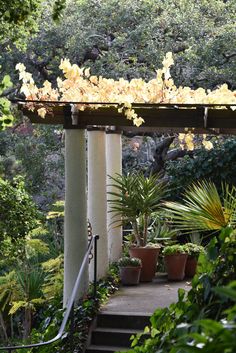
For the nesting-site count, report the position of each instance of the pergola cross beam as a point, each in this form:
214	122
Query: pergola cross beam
202	118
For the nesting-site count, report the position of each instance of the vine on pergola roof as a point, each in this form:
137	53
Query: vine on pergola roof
93	92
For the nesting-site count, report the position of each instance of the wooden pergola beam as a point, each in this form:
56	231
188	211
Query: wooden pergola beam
159	118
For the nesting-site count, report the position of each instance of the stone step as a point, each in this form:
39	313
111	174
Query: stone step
112	336
123	320
113	331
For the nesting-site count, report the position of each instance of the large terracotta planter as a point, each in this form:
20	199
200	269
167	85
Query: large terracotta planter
190	267
175	266
149	257
130	275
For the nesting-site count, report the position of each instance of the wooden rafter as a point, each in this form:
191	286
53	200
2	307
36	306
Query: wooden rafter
159	118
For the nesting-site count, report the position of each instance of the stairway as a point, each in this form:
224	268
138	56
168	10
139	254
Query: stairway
113	330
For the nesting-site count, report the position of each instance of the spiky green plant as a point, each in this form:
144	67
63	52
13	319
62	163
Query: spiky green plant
135	200
203	209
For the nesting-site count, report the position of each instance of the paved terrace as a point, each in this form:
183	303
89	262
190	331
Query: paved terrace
146	297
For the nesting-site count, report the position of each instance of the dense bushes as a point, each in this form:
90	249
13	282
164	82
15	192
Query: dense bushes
218	164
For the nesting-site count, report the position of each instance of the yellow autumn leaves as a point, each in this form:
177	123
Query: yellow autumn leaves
187	141
78	85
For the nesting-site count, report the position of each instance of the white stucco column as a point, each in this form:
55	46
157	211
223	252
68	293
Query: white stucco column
97	198
114	165
75	226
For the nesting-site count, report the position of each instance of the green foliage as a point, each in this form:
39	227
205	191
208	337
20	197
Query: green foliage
85	312
202	320
18	214
35	153
53	286
129	261
194	250
6	117
29	289
203	209
57	210
135	200
175	249
22	292
160	229
216	165
18	19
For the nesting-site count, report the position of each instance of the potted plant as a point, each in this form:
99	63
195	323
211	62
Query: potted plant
137	198
194	250
175	257
130	268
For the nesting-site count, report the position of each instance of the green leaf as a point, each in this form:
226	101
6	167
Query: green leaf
7	81
226	292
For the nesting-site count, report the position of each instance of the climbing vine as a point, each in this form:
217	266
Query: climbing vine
79	85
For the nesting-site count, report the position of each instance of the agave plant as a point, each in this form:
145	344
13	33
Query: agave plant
135	200
203	208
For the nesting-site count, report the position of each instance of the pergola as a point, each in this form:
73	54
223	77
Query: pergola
100	153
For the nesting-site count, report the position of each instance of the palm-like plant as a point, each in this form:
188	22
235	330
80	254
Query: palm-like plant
203	208
135	200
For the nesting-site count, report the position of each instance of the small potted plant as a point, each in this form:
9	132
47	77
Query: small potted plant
175	257
130	269
137	198
194	251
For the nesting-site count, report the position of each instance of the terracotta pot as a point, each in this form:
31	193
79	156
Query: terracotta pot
175	266
130	275
191	266
149	257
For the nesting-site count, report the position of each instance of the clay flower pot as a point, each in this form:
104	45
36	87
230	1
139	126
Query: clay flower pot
149	257
191	266
175	257
130	268
130	275
194	250
175	266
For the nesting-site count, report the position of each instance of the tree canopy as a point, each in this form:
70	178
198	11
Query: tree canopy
129	39
20	18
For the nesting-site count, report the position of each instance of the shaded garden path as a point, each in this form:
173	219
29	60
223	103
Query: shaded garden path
146	297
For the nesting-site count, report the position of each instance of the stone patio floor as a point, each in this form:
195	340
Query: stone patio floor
146	297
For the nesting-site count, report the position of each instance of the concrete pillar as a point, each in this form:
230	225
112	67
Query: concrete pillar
75	227
97	198
114	165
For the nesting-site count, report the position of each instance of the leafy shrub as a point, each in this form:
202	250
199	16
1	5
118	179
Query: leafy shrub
217	164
